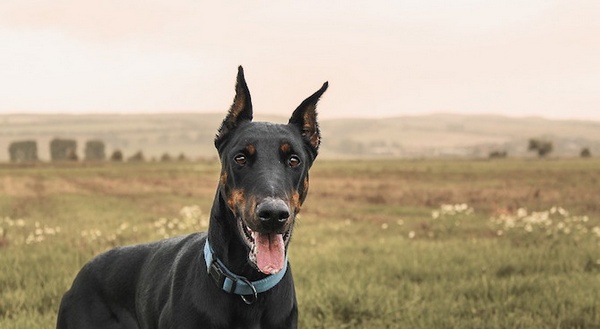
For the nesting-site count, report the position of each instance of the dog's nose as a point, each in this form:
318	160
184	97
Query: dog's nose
273	213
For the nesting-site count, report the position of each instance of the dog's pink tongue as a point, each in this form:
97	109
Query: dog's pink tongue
270	252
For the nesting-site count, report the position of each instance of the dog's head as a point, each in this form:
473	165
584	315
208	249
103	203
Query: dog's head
264	174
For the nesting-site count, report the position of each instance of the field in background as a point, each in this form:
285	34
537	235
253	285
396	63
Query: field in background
379	244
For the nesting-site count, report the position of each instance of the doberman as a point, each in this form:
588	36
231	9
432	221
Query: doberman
236	275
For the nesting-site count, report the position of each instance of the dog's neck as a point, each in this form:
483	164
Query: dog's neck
226	243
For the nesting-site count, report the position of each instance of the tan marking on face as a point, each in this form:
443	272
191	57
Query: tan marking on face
250	149
223	179
249	211
285	148
305	186
295	202
236	199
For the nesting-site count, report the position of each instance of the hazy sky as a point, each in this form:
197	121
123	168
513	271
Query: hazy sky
381	58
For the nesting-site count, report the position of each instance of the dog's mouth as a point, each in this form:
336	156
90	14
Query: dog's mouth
267	250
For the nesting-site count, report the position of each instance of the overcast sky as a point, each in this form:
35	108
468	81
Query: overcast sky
381	58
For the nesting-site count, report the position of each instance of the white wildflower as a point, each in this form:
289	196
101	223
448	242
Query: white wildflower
510	223
191	212
447	208
563	212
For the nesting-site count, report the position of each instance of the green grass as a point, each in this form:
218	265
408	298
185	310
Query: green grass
367	252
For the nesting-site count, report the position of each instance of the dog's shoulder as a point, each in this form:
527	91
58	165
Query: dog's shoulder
128	260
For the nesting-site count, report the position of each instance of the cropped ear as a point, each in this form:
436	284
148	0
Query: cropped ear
240	111
305	118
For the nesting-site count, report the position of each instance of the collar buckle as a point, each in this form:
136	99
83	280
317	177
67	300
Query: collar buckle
216	273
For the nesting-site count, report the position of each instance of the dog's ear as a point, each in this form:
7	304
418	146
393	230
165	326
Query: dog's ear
305	118
240	111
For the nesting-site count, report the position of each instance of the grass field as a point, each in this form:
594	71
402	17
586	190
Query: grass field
379	244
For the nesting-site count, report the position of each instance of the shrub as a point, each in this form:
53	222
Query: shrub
137	157
497	154
542	147
23	151
94	150
585	153
116	156
63	150
165	158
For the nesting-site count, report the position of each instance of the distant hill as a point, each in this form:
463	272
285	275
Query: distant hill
455	135
439	135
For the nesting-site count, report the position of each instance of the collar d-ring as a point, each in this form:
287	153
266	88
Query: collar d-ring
254	293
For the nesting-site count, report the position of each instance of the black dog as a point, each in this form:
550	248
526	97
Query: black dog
236	275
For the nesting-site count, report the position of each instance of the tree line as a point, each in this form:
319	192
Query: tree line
64	150
95	150
60	150
541	147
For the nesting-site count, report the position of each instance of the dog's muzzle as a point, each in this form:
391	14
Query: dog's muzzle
273	215
267	234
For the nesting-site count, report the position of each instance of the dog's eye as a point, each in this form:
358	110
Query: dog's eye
240	159
294	161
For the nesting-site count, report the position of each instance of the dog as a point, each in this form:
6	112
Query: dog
235	275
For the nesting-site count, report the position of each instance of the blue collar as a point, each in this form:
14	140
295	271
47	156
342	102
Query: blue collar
236	284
